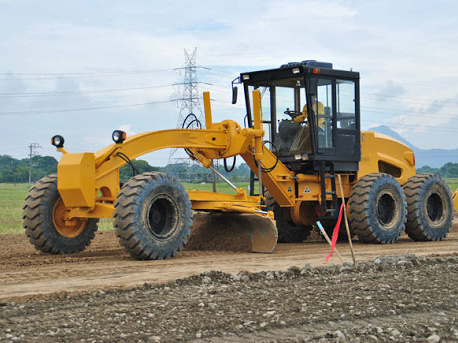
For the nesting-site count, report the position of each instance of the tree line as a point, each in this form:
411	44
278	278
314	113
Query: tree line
447	170
17	170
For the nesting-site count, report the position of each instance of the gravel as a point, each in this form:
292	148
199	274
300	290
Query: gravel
397	298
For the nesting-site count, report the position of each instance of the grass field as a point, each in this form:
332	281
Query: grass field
12	199
452	183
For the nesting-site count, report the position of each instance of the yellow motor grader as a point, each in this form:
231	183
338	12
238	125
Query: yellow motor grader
302	130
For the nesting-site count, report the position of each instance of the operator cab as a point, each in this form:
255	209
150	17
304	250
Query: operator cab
311	114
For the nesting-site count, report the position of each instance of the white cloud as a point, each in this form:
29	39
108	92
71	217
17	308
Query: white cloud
406	53
127	128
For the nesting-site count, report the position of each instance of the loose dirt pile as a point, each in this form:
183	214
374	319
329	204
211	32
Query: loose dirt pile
218	232
401	298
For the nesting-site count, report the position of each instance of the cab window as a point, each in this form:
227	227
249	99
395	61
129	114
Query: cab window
346	110
322	106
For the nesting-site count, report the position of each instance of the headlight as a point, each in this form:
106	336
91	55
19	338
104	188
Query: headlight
58	141
119	136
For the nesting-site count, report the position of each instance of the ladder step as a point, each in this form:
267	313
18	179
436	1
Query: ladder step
329	193
330	176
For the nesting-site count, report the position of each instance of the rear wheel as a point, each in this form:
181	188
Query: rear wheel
288	231
377	208
429	207
45	223
153	216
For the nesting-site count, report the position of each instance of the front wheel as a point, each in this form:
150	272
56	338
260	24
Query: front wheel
153	216
45	223
377	208
429	207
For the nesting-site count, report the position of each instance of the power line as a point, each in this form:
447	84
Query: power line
417	113
84	73
408	98
38	94
79	75
80	109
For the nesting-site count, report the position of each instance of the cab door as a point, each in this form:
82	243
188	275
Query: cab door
348	145
335	107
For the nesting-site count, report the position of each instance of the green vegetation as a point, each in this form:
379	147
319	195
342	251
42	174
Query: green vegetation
14	173
17	171
12	199
448	170
452	183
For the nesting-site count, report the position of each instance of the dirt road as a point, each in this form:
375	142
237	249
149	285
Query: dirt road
26	273
391	299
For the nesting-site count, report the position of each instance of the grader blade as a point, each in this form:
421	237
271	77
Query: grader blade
233	232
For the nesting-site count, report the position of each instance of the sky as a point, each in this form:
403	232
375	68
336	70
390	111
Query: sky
83	68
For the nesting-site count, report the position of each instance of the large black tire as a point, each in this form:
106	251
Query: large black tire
44	224
429	207
153	216
288	232
377	209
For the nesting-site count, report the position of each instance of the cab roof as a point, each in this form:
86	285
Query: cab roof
288	74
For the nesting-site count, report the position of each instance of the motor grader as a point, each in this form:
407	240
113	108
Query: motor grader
302	135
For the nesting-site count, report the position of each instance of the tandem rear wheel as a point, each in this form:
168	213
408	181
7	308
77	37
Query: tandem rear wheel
429	207
377	209
380	209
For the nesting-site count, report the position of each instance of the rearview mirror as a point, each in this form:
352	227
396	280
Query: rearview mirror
234	95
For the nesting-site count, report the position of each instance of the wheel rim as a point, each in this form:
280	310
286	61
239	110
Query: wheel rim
386	210
435	208
67	228
162	216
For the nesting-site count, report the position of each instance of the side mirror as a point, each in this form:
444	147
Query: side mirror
234	89
234	95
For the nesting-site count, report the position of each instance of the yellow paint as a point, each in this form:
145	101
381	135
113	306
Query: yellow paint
376	147
89	183
76	179
455	200
207	110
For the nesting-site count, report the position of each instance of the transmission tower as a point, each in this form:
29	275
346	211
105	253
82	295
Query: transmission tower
190	116
32	153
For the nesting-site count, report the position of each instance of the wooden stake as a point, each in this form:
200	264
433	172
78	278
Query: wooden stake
346	221
329	241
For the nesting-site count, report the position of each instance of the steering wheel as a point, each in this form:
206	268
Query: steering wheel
292	113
